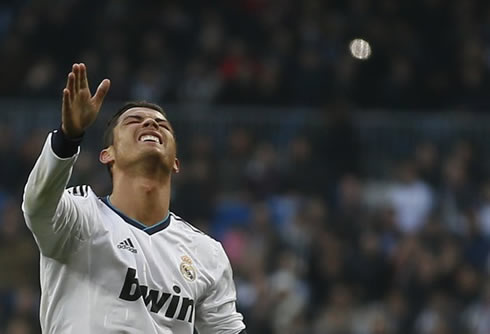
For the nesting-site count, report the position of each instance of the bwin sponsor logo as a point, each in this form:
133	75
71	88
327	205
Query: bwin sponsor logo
178	306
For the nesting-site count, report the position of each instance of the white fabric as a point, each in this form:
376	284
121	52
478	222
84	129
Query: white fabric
412	204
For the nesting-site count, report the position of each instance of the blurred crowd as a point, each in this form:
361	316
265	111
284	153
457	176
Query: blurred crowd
320	242
426	53
318	245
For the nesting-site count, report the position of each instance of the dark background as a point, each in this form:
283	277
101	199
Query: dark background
426	53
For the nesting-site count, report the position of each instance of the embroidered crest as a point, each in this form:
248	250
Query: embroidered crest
187	269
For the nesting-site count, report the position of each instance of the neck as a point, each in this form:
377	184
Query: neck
142	197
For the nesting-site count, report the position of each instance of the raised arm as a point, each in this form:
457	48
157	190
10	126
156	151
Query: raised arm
50	213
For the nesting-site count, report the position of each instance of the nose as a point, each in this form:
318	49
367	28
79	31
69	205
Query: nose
150	122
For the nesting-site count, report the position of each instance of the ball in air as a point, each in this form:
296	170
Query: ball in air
360	48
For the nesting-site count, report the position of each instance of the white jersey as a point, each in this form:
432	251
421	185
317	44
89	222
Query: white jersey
102	272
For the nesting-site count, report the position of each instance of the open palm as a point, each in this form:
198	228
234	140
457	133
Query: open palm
80	108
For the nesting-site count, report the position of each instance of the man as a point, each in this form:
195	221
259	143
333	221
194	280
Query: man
124	263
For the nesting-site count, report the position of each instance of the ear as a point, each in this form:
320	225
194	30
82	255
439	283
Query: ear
176	166
106	156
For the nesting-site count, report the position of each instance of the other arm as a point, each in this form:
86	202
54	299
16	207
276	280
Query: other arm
216	313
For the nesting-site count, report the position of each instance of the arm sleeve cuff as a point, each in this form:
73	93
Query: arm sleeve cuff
63	146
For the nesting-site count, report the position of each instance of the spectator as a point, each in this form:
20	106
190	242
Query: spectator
411	198
477	316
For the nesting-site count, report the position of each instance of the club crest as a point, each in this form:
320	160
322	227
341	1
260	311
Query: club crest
187	269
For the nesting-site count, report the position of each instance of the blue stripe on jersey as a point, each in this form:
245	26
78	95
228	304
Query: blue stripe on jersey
148	229
158	226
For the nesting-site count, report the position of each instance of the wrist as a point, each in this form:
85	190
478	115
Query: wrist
71	134
63	145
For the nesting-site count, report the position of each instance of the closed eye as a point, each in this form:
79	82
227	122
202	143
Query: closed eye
165	126
136	119
133	119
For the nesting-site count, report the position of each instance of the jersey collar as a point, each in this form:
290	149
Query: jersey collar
148	229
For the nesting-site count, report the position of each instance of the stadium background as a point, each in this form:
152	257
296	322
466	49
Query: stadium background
351	196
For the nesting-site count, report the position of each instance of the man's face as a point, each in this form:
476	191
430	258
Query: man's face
142	134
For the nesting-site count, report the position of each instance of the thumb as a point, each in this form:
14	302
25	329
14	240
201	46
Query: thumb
101	92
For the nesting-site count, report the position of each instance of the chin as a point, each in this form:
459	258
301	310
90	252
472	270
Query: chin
154	158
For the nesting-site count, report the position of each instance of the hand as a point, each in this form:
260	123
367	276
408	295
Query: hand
80	108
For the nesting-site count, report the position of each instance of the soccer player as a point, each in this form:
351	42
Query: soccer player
122	263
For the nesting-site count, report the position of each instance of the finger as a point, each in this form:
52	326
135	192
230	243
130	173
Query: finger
83	76
101	92
66	100
76	70
70	85
68	80
66	107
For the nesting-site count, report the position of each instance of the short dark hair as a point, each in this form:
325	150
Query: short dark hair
108	138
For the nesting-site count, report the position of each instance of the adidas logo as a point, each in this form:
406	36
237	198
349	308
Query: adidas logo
127	244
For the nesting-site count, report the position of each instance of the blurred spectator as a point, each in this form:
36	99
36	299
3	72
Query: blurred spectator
457	194
267	52
337	146
307	257
303	173
427	163
289	296
41	78
436	318
411	198
195	185
477	316
369	268
311	84
20	325
15	239
150	84
476	245
348	221
200	84
262	171
337	316
484	212
234	160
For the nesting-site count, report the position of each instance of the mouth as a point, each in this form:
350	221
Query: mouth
150	138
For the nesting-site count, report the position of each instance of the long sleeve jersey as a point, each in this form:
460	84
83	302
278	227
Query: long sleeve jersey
103	272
